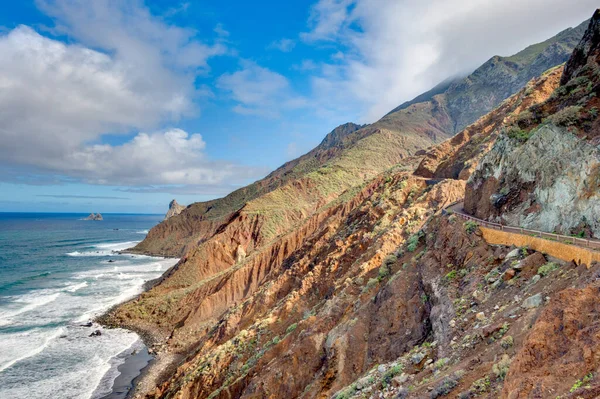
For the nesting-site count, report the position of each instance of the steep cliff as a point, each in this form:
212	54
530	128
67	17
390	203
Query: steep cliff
543	172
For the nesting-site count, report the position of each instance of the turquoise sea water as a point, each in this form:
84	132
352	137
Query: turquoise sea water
57	272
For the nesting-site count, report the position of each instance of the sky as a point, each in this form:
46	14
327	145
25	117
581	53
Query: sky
121	106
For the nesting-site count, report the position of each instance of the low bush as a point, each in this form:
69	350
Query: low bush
547	269
567	116
516	133
291	328
500	369
413	242
445	386
391	373
470	226
525	119
579	383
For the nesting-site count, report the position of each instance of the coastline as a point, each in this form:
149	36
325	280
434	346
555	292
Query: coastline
134	381
130	371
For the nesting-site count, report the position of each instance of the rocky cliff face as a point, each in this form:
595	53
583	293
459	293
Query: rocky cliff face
457	157
543	172
174	209
339	276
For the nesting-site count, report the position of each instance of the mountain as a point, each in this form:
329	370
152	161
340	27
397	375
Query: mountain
337	163
342	274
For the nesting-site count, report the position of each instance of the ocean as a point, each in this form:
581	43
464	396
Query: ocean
57	272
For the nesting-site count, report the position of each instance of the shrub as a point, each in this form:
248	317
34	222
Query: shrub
441	363
346	393
450	276
567	116
559	92
525	119
579	383
389	260
291	328
547	269
507	342
524	252
500	333
482	385
516	133
391	373
501	368
413	242
370	284
384	271
445	386
470	226
593	112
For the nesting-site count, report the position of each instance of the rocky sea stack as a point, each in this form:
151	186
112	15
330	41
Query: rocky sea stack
93	216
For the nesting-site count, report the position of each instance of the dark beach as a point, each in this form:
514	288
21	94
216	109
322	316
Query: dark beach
136	363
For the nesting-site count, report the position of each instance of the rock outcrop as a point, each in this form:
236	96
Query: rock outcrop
174	209
93	216
543	172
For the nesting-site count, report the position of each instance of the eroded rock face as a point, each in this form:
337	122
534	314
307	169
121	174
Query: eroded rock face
549	183
458	157
174	209
561	348
543	173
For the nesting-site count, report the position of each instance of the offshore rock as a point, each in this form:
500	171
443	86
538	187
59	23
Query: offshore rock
93	216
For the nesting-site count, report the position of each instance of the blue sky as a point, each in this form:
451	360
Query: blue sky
120	106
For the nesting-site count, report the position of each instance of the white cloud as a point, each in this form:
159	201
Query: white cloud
305	65
259	91
170	157
221	31
285	45
393	50
127	71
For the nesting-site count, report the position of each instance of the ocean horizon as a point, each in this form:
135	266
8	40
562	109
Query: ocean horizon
57	273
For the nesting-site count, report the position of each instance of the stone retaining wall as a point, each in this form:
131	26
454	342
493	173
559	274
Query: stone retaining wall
559	250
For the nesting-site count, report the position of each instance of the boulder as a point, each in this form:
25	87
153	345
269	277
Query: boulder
533	301
528	266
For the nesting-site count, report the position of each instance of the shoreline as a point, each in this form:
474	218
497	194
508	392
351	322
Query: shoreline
132	378
130	371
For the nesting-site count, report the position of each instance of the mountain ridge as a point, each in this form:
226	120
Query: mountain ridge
341	262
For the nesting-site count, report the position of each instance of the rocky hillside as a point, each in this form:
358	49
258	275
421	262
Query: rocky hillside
543	172
413	126
339	275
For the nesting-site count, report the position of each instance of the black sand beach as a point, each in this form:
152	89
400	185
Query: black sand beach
130	372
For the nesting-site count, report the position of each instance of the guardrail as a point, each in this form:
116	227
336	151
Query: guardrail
580	242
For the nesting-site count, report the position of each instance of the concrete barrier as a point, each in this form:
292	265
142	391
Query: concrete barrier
559	250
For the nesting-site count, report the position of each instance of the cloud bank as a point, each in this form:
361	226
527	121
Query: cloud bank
393	50
126	71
